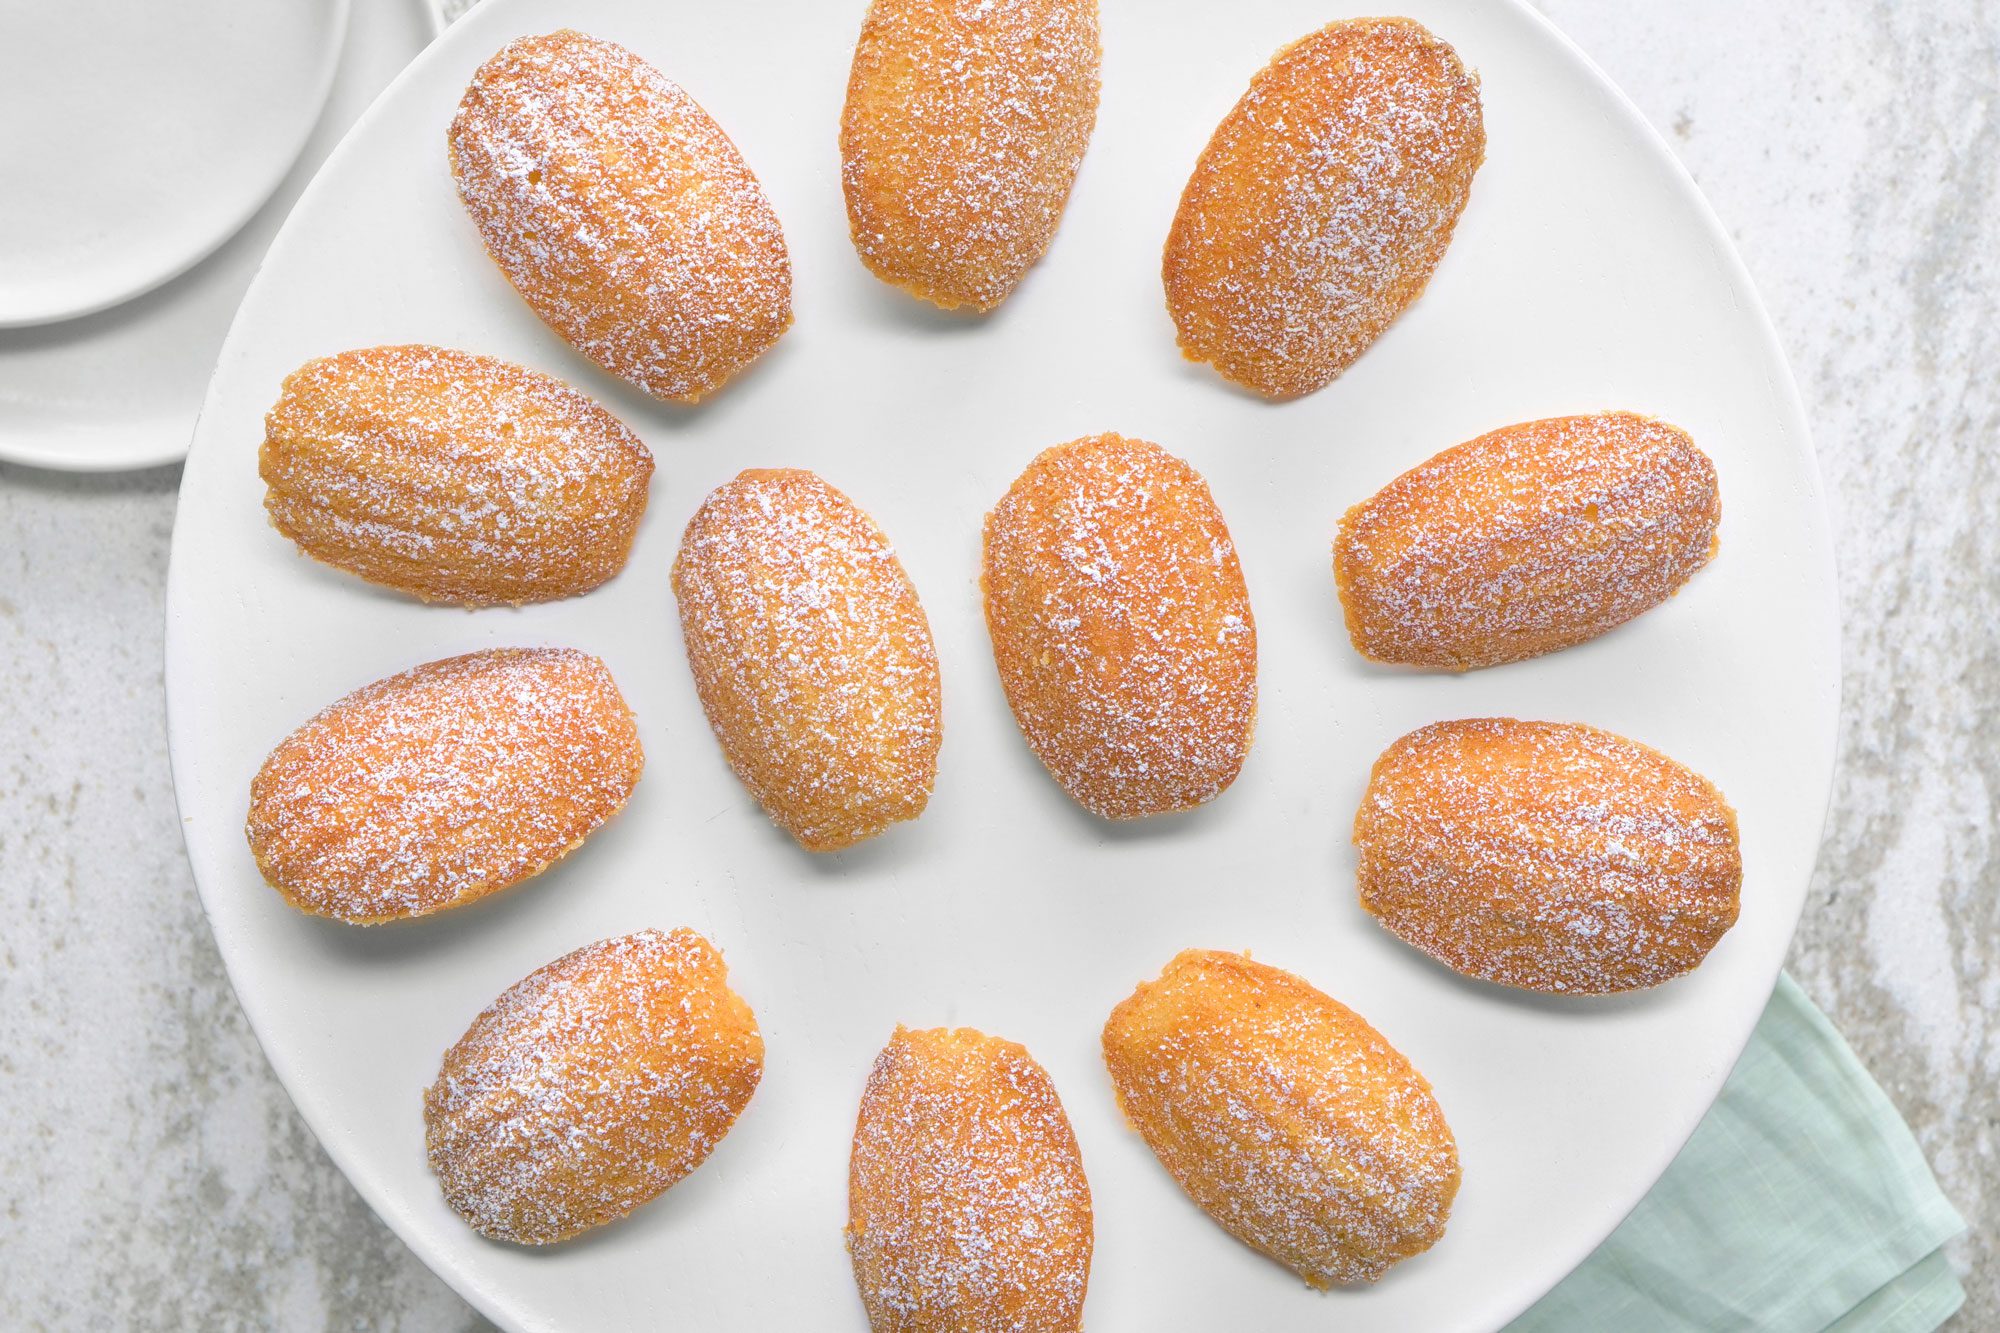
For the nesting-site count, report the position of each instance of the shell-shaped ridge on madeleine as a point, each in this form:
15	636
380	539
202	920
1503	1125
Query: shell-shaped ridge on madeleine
591	1086
1529	539
967	1202
964	127
1323	203
622	213
437	786
811	655
453	477
1291	1121
1548	856
1121	626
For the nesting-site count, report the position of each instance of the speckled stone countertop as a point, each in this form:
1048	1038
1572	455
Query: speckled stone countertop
155	1175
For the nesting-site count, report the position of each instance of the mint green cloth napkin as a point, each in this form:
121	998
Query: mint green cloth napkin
1801	1203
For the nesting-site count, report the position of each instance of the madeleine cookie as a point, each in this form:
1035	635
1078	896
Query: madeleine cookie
811	655
967	1204
1299	1129
1547	855
1323	203
452	477
622	213
591	1086
1121	626
443	784
1528	539
964	127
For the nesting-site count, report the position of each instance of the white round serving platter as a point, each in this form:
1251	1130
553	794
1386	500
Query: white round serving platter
140	135
1586	273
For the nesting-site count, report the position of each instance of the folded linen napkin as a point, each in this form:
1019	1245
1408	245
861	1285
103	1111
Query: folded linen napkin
1801	1203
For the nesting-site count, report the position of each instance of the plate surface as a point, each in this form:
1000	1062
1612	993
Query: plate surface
142	135
1586	273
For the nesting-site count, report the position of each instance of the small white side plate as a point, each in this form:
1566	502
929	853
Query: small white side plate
121	388
139	136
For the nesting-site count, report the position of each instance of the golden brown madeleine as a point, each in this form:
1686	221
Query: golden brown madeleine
1528	539
967	1205
1323	203
452	477
1547	855
811	655
965	123
1121	627
591	1086
622	213
443	784
1299	1129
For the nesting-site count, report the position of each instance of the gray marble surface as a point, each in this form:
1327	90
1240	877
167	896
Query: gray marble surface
154	1174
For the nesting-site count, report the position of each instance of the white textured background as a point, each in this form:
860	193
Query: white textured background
153	1174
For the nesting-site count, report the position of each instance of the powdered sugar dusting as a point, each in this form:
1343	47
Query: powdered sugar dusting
1323	203
622	213
1121	626
455	477
811	654
1547	855
964	127
591	1086
442	784
1528	539
968	1207
1285	1115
